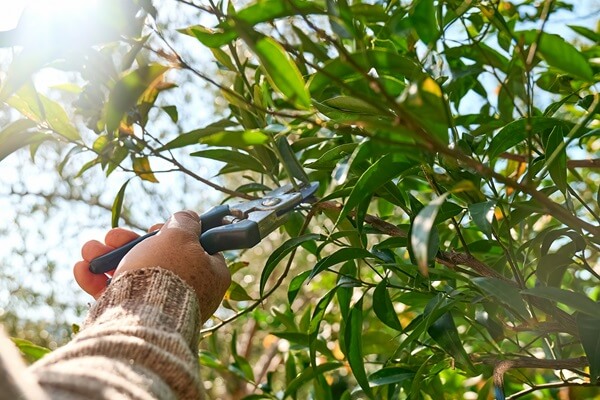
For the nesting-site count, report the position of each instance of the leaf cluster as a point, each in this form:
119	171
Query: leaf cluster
454	245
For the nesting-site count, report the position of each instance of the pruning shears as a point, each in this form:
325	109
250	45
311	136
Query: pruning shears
231	226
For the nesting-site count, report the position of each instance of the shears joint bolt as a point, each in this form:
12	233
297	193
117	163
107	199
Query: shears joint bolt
271	201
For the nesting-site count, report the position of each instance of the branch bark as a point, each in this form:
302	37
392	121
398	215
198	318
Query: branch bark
584	163
92	201
501	367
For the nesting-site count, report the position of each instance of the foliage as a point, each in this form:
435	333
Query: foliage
454	246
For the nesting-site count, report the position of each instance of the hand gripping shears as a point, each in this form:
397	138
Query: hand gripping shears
230	226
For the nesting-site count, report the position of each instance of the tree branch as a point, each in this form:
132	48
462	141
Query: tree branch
585	163
92	201
552	385
503	366
450	259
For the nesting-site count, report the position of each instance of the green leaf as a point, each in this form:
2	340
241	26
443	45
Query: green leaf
447	211
421	232
384	308
552	267
237	139
19	134
58	120
556	158
193	137
87	166
352	105
445	334
589	334
345	285
329	159
558	53
483	215
291	371
280	253
491	325
210	360
422	17
344	254
124	96
434	307
378	174
315	322
290	162
551	236
517	131
296	284
311	46
575	300
481	53
212	38
504	292
308	374
255	13
43	110
390	375
241	366
424	101
280	69
353	338
586	32
172	112
223	58
346	69
118	204
236	292
301	339
31	351
240	160
417	382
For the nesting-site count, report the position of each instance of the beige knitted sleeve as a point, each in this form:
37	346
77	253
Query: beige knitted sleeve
138	342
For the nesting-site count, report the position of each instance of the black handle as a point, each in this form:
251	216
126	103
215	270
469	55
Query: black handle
109	261
241	235
214	217
209	220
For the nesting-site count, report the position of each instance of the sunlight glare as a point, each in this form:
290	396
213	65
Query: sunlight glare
60	7
57	22
11	12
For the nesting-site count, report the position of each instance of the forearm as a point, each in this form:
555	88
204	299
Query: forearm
140	341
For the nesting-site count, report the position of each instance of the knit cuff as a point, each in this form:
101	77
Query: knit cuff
157	297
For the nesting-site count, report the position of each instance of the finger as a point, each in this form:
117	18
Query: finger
93	249
186	220
117	237
92	284
155	227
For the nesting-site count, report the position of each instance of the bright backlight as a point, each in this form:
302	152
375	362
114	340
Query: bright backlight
68	23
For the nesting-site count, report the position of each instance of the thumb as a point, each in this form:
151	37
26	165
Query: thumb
186	222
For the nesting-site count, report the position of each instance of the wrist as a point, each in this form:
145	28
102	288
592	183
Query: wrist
157	296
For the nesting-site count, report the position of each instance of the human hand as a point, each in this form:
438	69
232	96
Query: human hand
176	247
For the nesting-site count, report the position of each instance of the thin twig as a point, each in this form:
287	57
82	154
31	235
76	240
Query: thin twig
552	385
584	163
71	196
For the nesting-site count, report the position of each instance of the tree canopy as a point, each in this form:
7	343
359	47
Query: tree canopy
453	249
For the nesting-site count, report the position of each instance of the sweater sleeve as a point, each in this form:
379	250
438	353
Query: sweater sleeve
138	342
